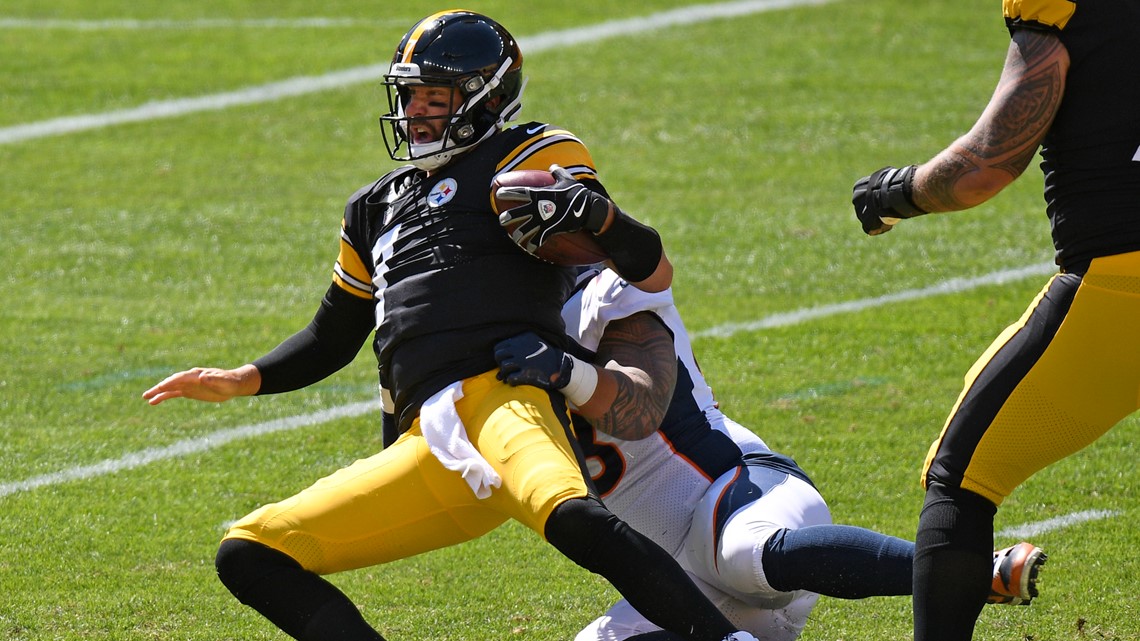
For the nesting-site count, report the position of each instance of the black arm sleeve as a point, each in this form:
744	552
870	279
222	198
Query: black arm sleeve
635	249
331	340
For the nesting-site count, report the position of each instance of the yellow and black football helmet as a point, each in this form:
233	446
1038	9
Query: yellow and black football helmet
460	49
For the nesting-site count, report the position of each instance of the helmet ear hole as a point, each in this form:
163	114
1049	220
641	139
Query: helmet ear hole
473	84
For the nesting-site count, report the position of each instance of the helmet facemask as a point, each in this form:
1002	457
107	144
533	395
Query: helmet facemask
480	65
481	111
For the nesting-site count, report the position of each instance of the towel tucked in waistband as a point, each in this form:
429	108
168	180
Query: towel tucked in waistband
446	437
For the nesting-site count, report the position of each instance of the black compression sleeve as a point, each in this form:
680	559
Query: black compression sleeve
330	341
634	248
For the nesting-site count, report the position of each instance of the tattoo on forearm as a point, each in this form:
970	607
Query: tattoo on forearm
639	351
1009	133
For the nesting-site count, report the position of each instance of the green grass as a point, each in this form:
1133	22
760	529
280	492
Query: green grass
133	251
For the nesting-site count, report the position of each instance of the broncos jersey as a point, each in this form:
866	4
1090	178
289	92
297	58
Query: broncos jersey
654	483
1091	154
446	280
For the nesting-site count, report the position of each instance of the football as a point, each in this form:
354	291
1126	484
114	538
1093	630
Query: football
575	248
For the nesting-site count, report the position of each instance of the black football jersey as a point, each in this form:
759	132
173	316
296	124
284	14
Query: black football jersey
446	280
1091	154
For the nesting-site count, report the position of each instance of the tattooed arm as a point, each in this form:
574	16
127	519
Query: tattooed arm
638	372
1002	142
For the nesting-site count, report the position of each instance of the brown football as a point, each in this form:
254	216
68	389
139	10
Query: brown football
574	248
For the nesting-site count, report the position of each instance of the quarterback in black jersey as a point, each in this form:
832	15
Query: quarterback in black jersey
425	264
1065	373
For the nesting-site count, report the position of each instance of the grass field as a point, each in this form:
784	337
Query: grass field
135	249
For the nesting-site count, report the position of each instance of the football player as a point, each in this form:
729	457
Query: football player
1065	372
746	521
425	265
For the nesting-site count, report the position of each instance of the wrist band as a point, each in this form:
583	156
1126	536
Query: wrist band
898	195
583	382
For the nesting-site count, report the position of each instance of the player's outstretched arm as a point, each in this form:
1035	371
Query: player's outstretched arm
206	384
330	341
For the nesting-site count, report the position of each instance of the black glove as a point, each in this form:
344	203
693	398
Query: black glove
884	198
526	359
565	206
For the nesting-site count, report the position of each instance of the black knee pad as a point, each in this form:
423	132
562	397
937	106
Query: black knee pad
240	563
579	528
954	518
938	492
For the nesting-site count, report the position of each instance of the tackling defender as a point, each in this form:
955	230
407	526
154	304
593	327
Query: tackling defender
745	521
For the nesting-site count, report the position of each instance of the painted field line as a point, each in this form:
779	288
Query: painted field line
370	73
130	24
1030	530
952	286
188	446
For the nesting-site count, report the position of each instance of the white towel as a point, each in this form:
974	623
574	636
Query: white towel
446	437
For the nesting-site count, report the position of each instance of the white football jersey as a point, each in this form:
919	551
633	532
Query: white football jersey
654	483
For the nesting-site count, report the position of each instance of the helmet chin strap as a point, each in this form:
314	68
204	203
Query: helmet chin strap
437	160
434	161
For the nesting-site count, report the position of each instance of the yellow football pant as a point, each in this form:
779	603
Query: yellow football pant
1049	385
402	501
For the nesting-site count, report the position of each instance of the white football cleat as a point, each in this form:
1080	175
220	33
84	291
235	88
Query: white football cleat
740	635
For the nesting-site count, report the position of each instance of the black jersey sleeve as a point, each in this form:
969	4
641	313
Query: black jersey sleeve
330	341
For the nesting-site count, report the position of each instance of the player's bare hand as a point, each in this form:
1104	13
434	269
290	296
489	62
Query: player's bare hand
206	384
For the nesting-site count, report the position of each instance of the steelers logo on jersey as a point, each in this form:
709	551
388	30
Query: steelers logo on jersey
443	192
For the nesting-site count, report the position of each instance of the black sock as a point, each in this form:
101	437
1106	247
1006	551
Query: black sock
301	603
953	563
651	580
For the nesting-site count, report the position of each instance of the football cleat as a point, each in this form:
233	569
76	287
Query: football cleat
1015	574
740	636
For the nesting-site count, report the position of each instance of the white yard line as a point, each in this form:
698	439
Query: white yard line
1030	530
370	73
183	106
188	446
130	24
951	286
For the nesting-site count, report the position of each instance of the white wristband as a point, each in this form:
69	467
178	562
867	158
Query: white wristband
583	382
